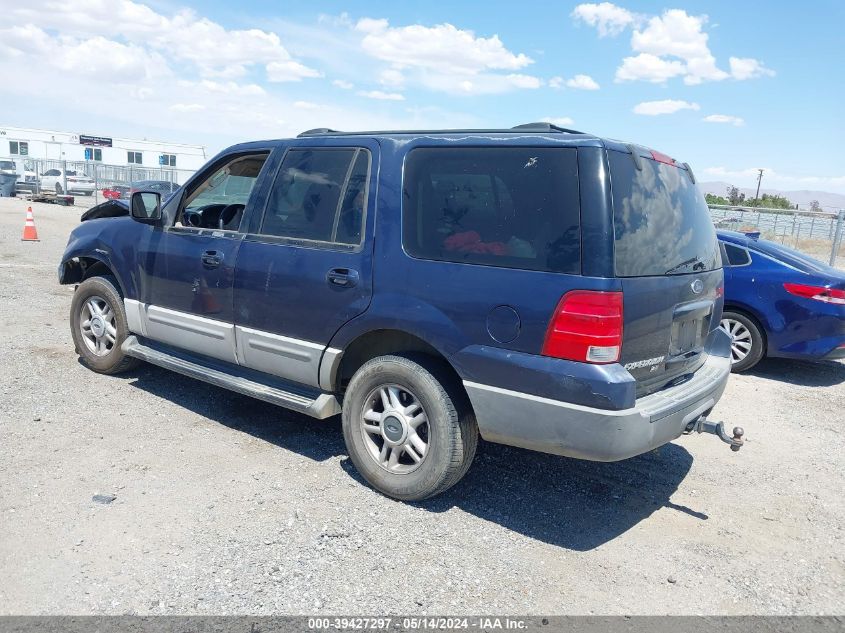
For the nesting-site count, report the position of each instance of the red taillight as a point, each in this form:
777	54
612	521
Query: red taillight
587	327
662	158
720	291
819	293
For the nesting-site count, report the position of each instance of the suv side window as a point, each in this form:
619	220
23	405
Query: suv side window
737	256
218	202
319	195
516	207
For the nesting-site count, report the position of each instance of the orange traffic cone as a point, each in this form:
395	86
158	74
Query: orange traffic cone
29	232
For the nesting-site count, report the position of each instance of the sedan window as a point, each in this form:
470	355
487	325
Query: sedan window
737	256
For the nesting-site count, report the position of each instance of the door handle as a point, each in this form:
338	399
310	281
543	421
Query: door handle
343	277
212	259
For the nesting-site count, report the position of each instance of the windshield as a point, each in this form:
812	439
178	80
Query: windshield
661	222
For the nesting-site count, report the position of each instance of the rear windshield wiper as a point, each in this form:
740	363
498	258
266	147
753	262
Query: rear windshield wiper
696	262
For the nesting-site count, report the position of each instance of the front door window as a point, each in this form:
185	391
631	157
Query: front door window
220	200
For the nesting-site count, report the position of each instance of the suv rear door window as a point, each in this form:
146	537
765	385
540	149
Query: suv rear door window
515	207
319	195
661	222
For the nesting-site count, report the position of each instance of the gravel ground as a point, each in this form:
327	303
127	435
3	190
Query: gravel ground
228	505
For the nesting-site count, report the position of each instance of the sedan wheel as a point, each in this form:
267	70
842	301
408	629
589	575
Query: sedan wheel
740	339
748	343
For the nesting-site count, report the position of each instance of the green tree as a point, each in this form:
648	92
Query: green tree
734	195
771	201
714	199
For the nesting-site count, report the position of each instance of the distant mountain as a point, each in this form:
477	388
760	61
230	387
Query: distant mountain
828	201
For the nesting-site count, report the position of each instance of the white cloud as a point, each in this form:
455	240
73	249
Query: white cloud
561	121
92	57
724	118
443	48
381	95
391	77
310	105
748	68
673	44
187	107
578	82
648	67
582	82
443	58
522	81
230	87
183	37
678	34
664	106
289	70
343	84
608	18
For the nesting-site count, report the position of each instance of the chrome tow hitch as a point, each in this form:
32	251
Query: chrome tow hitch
703	425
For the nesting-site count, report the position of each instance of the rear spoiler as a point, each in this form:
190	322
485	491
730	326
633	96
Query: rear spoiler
638	153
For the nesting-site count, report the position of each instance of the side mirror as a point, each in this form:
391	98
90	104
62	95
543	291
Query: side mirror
145	206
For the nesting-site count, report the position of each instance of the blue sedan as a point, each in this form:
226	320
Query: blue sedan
780	302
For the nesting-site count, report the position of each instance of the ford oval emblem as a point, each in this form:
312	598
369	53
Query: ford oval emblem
697	286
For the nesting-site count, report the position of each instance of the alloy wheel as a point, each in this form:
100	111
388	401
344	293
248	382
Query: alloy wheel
97	324
740	339
395	429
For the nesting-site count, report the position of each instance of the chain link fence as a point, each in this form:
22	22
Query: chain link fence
37	175
819	234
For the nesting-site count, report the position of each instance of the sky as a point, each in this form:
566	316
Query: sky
727	86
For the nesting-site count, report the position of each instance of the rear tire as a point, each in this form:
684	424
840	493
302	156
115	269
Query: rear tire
747	341
98	326
408	426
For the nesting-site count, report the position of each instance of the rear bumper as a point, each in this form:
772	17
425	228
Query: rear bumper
561	428
80	187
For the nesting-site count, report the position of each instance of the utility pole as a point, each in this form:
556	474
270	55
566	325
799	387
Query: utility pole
759	178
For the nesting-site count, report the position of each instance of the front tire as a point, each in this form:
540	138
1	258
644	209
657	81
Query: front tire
408	426
747	341
98	326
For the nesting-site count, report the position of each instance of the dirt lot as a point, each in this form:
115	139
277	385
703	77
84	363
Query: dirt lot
228	505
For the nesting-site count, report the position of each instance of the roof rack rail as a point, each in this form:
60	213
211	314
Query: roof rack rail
543	126
318	130
526	127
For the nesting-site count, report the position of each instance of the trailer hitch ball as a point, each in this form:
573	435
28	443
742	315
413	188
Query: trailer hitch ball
703	425
737	438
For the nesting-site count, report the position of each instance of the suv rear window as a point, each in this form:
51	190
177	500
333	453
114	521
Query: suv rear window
514	207
661	222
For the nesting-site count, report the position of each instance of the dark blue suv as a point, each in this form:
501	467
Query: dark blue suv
542	287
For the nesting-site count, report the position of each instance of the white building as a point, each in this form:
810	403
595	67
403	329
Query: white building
21	143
